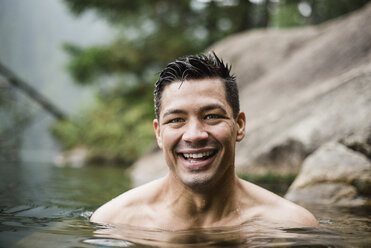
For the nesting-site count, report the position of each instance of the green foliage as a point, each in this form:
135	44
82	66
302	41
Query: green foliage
287	12
114	131
274	182
269	178
288	16
329	9
150	34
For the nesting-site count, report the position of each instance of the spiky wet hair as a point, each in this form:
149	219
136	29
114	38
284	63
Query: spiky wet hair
198	67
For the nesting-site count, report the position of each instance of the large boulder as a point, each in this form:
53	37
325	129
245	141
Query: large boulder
333	174
332	111
300	88
314	86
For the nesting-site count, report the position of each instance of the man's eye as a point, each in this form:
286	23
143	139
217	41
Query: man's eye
212	116
175	120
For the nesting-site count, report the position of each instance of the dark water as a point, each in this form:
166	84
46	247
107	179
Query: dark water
46	206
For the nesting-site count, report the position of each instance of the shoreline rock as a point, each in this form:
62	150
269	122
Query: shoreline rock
333	174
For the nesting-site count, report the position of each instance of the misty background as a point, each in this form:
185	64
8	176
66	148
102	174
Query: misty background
31	37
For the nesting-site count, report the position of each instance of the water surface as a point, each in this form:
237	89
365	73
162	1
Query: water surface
46	206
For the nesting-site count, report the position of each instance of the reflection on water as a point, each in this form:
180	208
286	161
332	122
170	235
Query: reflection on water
46	206
251	234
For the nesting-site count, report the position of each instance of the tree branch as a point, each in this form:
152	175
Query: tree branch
32	93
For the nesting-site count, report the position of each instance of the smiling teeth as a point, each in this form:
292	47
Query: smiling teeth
197	155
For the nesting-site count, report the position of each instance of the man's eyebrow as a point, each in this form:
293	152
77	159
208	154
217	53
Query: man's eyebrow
214	106
173	111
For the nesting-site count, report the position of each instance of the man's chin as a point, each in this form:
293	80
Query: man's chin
198	183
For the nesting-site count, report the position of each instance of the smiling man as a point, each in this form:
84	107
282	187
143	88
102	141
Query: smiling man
197	125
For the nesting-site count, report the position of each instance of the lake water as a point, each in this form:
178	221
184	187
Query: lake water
46	206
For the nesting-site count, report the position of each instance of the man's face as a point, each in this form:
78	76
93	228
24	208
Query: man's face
197	132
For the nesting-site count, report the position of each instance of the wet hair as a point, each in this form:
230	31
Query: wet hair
198	67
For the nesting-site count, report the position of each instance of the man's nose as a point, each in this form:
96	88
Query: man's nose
195	132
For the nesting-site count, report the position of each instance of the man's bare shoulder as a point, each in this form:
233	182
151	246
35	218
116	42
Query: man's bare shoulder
273	207
130	205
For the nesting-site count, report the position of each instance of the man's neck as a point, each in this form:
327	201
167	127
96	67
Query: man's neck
204	207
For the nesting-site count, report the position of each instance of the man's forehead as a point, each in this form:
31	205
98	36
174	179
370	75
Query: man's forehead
177	94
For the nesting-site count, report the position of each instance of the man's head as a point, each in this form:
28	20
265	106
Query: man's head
198	121
198	67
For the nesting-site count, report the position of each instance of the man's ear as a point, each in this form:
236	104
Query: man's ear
241	125
156	127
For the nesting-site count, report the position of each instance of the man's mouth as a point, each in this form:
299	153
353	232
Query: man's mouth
195	157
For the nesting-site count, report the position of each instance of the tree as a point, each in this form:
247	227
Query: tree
311	12
151	33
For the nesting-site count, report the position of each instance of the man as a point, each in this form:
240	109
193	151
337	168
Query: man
197	125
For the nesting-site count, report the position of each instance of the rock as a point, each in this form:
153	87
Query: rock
333	174
359	142
148	168
318	92
74	158
253	54
328	193
282	143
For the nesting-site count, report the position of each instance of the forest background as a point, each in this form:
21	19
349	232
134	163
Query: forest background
117	128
